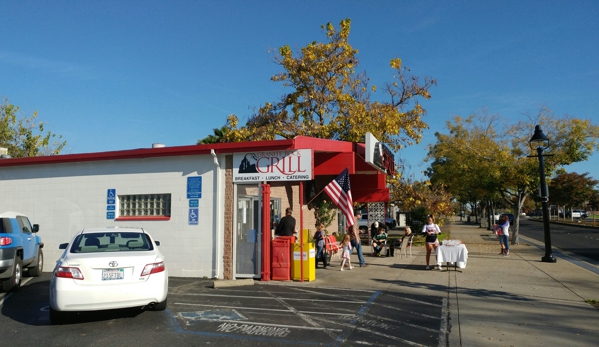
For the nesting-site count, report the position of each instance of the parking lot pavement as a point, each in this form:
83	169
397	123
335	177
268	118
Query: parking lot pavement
261	314
297	315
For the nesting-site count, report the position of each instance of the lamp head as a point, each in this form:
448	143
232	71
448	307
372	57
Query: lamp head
538	139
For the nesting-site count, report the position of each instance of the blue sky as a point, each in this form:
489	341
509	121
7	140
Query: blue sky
113	75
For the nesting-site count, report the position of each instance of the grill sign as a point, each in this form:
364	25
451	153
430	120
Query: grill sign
294	165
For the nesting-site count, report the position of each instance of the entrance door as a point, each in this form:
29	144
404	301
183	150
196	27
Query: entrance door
248	245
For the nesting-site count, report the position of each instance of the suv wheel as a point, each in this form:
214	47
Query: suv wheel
36	270
14	282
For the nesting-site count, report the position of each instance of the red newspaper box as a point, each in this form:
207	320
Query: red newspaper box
281	258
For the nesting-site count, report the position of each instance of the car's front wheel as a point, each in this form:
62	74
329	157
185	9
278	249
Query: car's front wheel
14	282
36	270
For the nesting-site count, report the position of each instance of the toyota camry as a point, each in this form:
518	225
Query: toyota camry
108	268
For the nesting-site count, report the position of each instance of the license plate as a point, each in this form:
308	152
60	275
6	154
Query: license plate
113	274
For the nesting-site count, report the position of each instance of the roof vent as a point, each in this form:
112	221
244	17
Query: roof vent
158	145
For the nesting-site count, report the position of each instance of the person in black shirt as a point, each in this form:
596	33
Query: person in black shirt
286	226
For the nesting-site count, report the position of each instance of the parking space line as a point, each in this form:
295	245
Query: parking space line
262	324
268	298
304	317
176	327
380	318
370	331
353	323
245	308
408	311
414	300
7	295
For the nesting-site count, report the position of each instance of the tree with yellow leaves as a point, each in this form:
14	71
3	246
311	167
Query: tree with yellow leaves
329	99
483	157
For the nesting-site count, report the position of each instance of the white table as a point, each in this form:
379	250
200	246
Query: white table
453	254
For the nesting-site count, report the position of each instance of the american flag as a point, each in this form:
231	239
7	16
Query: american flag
340	193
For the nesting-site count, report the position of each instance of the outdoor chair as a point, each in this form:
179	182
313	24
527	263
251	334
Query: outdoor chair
408	245
404	244
332	247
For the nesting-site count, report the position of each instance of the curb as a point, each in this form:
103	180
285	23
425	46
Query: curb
233	283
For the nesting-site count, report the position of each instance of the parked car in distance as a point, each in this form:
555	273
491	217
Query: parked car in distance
390	222
108	268
20	247
576	214
510	217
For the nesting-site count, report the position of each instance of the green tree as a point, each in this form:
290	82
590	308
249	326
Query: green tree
329	99
479	155
23	137
572	190
218	136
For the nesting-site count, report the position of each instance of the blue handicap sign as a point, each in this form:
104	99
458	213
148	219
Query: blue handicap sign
194	187
193	216
109	215
110	208
194	203
111	197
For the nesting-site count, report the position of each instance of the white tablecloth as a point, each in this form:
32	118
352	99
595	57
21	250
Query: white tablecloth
453	254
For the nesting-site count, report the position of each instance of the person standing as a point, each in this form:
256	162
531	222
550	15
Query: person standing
346	253
286	226
354	235
431	230
503	232
319	237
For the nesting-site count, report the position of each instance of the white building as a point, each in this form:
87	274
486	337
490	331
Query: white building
202	202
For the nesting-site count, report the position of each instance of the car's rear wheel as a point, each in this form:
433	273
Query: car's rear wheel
14	282
36	270
161	306
57	317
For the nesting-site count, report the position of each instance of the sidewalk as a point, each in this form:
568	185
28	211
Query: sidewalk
495	300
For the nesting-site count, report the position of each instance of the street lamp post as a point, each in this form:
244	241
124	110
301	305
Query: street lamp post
542	142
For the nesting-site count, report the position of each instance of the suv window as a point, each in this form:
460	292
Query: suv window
5	226
24	224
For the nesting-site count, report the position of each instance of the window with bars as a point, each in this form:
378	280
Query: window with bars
145	205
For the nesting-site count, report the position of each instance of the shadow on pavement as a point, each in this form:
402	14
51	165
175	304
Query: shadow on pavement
30	305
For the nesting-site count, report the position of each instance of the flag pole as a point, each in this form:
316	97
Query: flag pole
315	196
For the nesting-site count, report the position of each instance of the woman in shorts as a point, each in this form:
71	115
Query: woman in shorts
431	230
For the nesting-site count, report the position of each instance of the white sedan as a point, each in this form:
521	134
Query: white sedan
108	268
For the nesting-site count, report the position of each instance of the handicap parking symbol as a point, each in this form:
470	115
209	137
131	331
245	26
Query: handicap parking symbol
194	217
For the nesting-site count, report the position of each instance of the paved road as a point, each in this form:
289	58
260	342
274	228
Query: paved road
258	315
579	240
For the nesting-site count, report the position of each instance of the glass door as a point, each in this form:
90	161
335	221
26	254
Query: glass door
248	242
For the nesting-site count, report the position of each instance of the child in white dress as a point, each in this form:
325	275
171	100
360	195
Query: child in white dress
346	246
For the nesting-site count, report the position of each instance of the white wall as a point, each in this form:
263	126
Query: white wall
65	198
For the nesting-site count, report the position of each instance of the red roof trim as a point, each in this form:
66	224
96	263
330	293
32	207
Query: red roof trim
300	142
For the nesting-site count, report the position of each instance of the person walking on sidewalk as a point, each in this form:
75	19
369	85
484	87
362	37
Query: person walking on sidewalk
431	230
319	236
354	236
503	232
346	253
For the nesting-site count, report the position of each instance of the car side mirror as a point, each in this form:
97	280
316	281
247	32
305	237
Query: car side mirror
36	228
157	243
63	246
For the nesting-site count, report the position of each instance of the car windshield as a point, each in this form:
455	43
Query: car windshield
111	242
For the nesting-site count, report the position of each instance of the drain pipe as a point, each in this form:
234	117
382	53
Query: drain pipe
217	217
